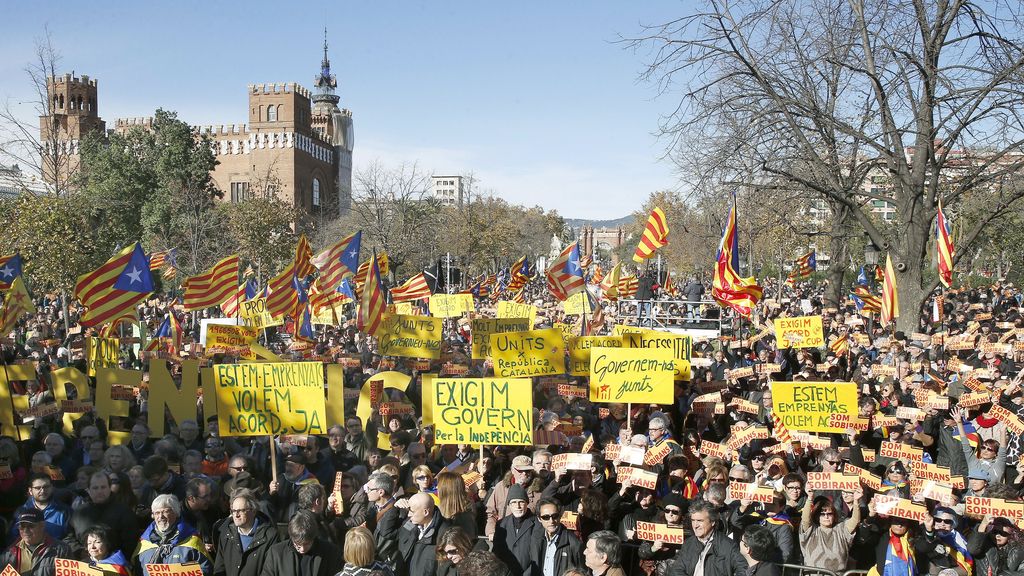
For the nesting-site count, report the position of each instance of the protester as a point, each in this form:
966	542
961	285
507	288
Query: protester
169	540
34	551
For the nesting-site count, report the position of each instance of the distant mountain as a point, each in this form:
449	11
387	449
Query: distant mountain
577	222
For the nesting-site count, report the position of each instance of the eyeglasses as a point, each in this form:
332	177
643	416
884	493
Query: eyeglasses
833	462
422	477
794	487
673	511
719	480
828	513
987	448
240	511
549	517
948	521
449	552
1001	533
43	487
239	468
737	479
654	428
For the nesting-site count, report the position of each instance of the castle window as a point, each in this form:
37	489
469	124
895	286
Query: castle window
61	102
239	191
316	191
260	117
271	113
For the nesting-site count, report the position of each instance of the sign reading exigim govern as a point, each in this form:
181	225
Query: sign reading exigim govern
483	411
270	398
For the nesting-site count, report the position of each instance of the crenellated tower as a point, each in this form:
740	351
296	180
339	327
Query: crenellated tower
73	112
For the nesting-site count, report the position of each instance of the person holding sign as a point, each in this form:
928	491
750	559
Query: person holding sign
824	542
661	554
168	540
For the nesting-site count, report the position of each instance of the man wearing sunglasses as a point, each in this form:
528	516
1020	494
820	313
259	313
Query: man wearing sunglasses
555	549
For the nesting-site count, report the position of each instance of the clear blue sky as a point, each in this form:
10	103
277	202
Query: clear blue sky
535	98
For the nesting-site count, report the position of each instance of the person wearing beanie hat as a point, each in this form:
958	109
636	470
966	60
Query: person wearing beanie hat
977	481
496	505
514	534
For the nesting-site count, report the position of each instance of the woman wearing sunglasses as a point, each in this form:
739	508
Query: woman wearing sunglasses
824	541
996	547
990	455
452	547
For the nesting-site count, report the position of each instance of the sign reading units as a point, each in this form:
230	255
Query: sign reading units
809	406
270	398
529	353
631	375
483	411
412	337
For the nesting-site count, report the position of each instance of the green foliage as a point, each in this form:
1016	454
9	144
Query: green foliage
55	236
259	229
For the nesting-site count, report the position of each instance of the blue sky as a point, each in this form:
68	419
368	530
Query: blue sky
535	98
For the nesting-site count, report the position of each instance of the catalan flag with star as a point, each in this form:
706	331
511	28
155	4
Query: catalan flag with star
944	247
338	261
10	268
17	303
115	287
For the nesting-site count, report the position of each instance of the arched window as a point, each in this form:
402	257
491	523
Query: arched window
316	191
271	113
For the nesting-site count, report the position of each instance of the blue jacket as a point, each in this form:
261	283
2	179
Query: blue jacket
184	547
56	515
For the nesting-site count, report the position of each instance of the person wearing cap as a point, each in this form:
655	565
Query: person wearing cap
978	480
659	555
513	536
33	553
169	540
522	474
996	547
946	546
245	539
284	488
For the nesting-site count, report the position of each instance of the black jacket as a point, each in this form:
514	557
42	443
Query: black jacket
723	559
568	552
385	526
284	560
115	515
514	547
418	555
232	561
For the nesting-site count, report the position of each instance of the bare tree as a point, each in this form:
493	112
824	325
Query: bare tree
44	147
927	95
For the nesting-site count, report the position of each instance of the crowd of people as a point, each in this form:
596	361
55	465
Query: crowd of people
349	504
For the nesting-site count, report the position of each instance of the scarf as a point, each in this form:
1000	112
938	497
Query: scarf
956	547
899	558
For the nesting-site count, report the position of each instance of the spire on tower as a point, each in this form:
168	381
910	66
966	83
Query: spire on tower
325	81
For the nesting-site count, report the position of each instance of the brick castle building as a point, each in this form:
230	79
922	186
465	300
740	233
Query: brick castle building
296	144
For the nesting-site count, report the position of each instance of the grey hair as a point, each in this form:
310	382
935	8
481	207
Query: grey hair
657	422
607	543
698	506
383	481
166	501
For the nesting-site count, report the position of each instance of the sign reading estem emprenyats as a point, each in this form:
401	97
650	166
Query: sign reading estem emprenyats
270	398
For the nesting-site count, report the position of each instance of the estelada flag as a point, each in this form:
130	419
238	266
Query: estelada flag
17	303
338	261
565	275
115	287
655	235
10	268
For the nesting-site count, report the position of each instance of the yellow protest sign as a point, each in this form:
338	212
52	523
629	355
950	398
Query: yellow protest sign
631	375
679	344
451	305
566	330
225	338
403	308
508	309
809	406
426	392
579	351
620	329
191	569
270	398
483	411
325	316
254	314
799	332
65	567
578	303
101	353
482	328
652	532
529	353
412	337
373	390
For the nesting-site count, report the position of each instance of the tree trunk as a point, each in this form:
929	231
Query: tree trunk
843	223
908	263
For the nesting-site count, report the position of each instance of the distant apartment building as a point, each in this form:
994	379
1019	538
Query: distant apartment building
449	190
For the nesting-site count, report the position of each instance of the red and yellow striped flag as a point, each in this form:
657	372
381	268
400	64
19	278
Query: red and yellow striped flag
284	298
382	266
628	286
414	288
212	287
841	345
372	301
115	287
16	303
779	429
729	288
655	235
890	295
944	247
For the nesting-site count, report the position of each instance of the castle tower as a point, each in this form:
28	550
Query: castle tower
334	126
73	112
